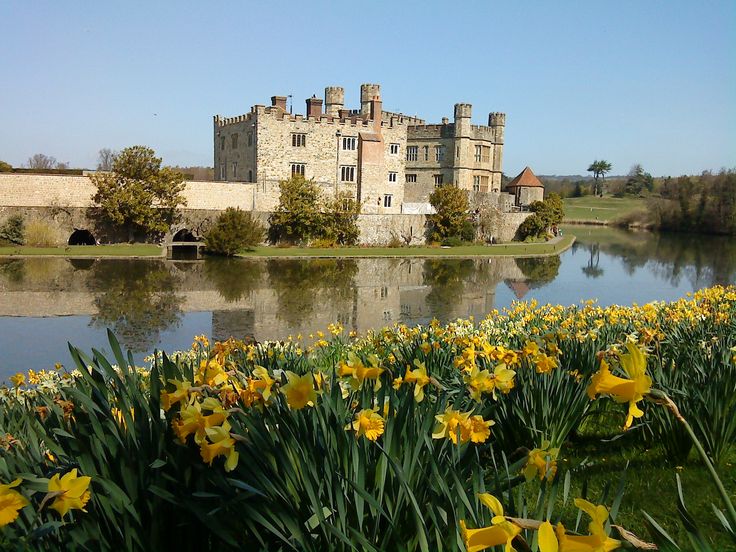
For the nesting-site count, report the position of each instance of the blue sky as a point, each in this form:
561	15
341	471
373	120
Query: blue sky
650	82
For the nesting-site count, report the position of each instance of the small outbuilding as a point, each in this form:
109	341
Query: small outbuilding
526	188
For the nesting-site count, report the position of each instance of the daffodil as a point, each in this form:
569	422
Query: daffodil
191	420
480	429
219	443
541	463
69	492
502	532
299	390
419	378
544	364
262	382
369	423
597	541
210	372
359	372
11	502
18	380
631	390
180	392
452	424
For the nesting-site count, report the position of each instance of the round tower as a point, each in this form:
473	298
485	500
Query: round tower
497	121
367	93
334	100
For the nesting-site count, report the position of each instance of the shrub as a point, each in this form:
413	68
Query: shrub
5	167
394	241
12	230
452	241
233	231
451	206
297	217
340	220
532	227
41	234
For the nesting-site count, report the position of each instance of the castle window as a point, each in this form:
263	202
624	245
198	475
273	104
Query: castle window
250	138
297	168
234	138
412	152
392	176
349	142
393	149
483	183
439	153
387	200
438	180
426	153
299	140
235	169
223	171
478	153
411	178
476	183
222	143
486	154
250	176
347	173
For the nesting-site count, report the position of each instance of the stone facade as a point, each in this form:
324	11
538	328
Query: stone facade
380	158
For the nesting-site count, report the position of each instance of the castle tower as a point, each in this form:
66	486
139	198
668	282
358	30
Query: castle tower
497	121
368	92
334	100
462	176
463	112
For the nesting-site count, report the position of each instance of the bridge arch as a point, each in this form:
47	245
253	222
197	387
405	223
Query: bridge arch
184	235
82	236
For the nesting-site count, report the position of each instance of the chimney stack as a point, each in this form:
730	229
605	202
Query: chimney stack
314	107
279	101
376	112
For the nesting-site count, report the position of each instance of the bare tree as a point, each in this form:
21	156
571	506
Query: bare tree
41	161
105	159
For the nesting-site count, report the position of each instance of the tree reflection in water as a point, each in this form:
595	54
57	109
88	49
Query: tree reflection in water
539	271
137	300
234	279
301	284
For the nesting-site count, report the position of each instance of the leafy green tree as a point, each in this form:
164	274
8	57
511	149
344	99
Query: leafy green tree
545	214
13	230
451	212
233	231
599	170
139	195
340	220
638	180
297	217
5	167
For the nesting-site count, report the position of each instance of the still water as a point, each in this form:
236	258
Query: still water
47	302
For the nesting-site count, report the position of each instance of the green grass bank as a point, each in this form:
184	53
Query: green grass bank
600	210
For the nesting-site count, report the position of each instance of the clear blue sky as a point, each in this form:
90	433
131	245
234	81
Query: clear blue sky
651	82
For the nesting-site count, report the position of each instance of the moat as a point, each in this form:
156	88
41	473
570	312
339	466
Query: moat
47	302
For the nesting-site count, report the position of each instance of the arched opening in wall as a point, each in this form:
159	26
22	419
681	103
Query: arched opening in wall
184	235
82	237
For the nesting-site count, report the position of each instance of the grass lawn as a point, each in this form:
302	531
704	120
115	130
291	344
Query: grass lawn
601	209
117	250
513	249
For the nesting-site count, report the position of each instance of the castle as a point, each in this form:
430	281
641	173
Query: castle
390	162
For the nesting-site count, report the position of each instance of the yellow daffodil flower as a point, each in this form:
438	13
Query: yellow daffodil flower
502	532
541	463
18	380
11	502
262	382
598	540
69	492
180	392
210	372
358	372
191	420
369	423
419	378
631	390
480	429
452	424
531	349
544	364
299	390
220	444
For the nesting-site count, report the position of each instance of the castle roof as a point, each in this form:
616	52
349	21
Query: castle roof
526	179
